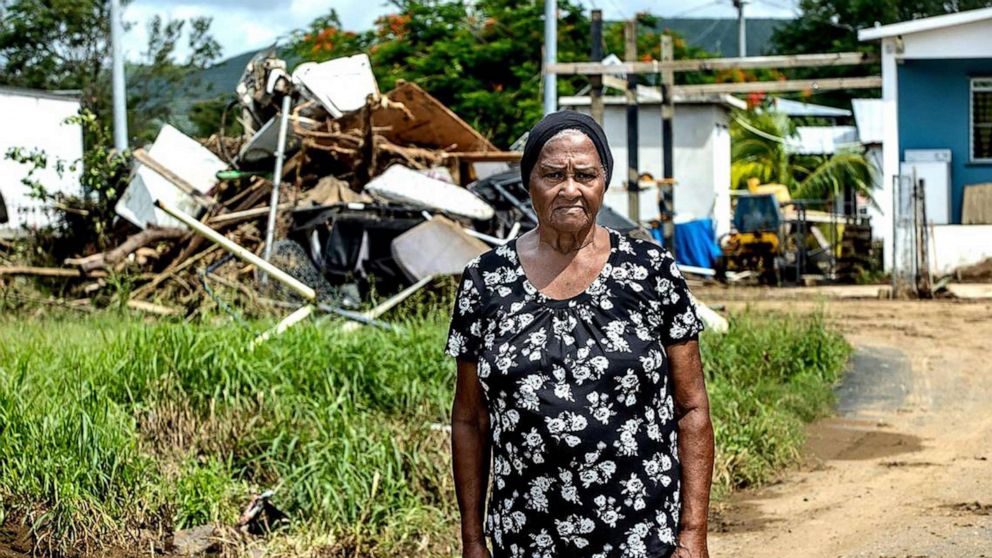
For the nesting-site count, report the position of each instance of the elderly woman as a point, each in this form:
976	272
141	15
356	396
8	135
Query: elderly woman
579	374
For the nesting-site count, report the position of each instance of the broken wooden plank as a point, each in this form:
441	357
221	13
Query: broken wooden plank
116	255
158	279
238	216
151	308
144	158
49	271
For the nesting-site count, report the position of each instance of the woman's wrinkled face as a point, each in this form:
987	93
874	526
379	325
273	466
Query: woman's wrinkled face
568	182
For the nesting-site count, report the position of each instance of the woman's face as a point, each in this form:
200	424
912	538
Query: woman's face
567	183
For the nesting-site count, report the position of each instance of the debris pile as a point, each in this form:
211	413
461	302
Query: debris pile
345	188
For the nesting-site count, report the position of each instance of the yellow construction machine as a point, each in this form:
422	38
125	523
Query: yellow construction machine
755	243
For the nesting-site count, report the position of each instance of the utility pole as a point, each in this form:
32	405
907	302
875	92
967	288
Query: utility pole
550	55
596	55
633	188
741	28
117	70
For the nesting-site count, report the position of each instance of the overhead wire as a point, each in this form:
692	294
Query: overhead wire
758	132
694	9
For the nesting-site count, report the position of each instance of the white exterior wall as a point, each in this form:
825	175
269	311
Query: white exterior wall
960	41
881	222
701	156
30	122
702	164
955	246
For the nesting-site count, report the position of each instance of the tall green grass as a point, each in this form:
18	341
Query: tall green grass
112	427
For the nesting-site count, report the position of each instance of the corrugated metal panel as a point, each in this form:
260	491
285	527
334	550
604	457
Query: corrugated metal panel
796	108
822	140
868	117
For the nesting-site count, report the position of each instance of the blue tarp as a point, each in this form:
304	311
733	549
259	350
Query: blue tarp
695	243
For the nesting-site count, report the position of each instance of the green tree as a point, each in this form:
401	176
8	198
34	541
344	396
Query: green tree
760	149
481	58
65	45
832	26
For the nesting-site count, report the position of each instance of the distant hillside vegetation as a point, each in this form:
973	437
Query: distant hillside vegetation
716	35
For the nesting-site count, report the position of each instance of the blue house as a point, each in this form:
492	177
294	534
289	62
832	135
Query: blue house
937	126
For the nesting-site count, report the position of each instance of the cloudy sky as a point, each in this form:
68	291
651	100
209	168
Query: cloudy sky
243	25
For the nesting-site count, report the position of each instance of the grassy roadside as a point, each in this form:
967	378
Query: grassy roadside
112	429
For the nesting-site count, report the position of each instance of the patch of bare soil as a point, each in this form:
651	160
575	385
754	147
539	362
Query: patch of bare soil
15	541
906	467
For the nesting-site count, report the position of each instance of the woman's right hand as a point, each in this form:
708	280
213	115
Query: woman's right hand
476	550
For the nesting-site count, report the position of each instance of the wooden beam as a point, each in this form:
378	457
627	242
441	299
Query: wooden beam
633	165
227	218
49	271
484	156
705	64
145	159
869	82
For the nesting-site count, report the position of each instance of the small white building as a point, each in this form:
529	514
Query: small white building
36	120
701	153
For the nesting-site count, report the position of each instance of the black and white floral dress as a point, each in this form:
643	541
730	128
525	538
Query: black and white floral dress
580	400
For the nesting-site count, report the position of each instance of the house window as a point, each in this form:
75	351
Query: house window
981	120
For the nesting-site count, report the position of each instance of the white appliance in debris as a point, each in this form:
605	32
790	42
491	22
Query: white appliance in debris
933	166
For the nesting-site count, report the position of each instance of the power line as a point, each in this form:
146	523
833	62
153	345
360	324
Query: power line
793	8
758	132
619	9
696	9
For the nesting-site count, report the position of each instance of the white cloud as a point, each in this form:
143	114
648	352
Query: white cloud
243	25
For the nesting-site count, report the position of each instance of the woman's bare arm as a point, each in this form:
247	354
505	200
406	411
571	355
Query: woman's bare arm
692	410
470	452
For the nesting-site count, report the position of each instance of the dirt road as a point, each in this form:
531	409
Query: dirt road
905	469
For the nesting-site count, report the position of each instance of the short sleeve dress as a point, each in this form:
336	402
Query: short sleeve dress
580	400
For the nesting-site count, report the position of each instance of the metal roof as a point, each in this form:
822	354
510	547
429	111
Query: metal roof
924	24
71	95
796	108
868	118
822	140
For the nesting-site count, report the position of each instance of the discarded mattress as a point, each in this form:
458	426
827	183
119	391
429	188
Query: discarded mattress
403	185
185	158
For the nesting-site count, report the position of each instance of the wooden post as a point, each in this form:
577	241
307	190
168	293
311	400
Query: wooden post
633	194
596	55
668	143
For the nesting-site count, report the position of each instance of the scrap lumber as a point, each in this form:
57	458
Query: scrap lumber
144	158
49	271
244	215
239	251
116	255
414	116
151	308
157	280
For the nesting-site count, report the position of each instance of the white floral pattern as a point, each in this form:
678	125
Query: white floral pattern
584	439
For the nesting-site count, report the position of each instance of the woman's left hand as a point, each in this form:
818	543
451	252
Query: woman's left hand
691	545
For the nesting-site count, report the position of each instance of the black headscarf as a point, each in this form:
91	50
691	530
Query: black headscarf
556	122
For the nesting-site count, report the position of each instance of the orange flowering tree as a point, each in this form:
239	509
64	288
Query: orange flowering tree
482	58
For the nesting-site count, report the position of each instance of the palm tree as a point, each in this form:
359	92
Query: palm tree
760	148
